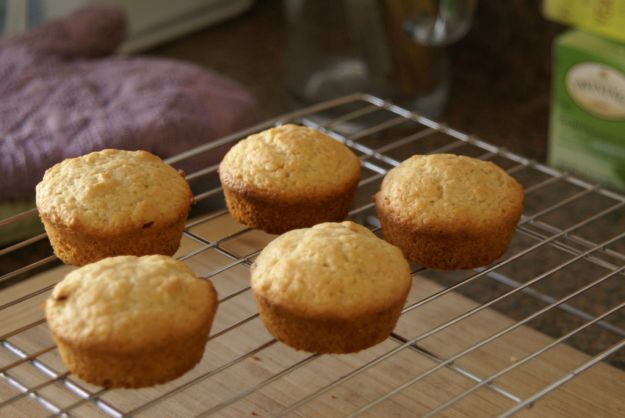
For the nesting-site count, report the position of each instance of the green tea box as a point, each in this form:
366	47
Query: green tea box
604	17
587	125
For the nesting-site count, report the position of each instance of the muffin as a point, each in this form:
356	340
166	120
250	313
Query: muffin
113	202
131	321
332	288
289	177
448	211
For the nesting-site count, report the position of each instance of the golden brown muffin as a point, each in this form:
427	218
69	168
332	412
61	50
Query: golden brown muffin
289	177
449	212
131	321
332	288
113	202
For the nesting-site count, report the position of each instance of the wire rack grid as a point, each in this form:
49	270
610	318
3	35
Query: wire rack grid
466	343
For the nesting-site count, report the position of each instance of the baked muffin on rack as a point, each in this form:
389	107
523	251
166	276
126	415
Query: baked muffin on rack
289	177
131	321
113	202
332	288
449	212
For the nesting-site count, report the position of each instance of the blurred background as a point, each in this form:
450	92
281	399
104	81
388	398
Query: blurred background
499	73
489	73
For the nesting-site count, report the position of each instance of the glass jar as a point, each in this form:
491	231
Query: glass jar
394	49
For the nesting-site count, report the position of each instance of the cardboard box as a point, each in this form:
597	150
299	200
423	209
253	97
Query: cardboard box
603	17
587	124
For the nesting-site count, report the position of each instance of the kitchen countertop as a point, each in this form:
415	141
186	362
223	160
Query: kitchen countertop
500	91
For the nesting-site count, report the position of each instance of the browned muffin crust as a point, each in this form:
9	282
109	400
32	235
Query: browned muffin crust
149	367
113	202
332	288
131	321
79	248
449	212
319	334
277	215
288	177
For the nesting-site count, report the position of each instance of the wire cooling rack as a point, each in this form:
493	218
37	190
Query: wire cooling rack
544	323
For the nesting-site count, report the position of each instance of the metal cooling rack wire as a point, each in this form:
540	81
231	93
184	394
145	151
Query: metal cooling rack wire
524	321
581	256
503	331
455	320
368	154
238	397
573	373
535	354
463	139
395	122
55	377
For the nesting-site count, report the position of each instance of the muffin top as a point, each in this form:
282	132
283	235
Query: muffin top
109	191
450	192
127	302
333	270
289	160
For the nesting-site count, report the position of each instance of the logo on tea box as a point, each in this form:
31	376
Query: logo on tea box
597	88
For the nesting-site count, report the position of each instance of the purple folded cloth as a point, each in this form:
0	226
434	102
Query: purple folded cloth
58	100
